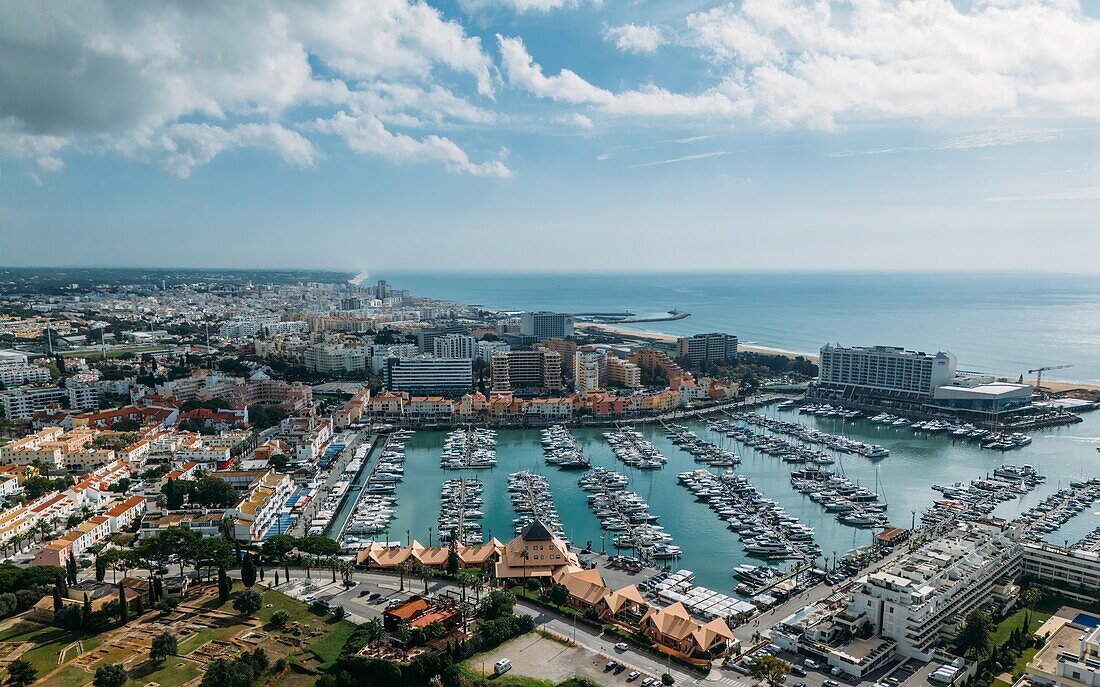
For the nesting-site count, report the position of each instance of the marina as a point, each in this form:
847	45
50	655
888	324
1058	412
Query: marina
714	455
561	450
634	449
471	448
917	462
533	500
810	435
460	511
627	517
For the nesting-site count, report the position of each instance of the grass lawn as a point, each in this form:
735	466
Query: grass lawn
49	641
1025	658
167	674
505	680
1006	626
70	676
997	682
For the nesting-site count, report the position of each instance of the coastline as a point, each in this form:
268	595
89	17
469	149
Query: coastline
1051	384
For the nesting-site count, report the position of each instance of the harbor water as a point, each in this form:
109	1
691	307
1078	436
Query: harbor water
904	480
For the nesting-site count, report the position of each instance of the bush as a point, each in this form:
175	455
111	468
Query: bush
279	619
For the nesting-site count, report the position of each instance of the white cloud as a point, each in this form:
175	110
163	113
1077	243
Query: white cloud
522	5
683	158
816	62
366	134
128	78
187	146
567	87
635	38
576	119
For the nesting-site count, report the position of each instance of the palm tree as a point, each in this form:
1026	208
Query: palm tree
524	555
401	568
463	578
307	561
479	583
426	574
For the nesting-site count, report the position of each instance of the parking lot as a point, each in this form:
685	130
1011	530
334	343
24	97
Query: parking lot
546	659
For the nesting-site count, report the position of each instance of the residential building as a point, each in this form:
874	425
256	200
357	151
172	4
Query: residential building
454	346
83	396
206	524
546	325
18	374
260	509
919	599
564	347
531	371
21	403
382	353
486	349
328	358
703	349
1070	656
426	375
674	628
1072	571
623	373
589	370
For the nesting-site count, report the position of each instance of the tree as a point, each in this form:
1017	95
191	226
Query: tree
559	594
86	611
223	584
248	571
57	597
214	492
100	568
110	675
770	669
498	604
974	637
164	645
452	557
21	673
248	602
1030	598
372	630
123	607
279	619
211	552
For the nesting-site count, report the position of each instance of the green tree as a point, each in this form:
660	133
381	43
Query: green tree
110	675
248	602
123	607
279	619
498	604
100	568
164	645
452	557
1030	598
21	673
770	669
214	492
223	585
974	638
248	571
559	594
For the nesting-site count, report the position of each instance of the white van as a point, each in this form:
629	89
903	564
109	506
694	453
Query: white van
502	666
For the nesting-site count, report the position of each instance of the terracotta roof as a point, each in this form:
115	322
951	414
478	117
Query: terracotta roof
673	621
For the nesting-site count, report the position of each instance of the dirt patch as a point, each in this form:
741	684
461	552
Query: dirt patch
533	655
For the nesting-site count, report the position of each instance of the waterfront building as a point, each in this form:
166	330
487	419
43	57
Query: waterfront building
328	358
882	373
382	353
426	375
919	599
1070	654
702	349
674	628
546	325
535	553
565	348
649	359
532	371
1071	571
985	401
455	346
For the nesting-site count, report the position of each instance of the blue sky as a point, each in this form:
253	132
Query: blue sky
552	134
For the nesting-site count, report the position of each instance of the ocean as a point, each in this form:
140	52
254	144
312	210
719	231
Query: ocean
997	323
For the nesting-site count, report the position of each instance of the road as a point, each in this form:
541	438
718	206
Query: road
335	472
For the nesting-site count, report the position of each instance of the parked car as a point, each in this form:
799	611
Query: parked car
648	681
375	596
836	671
610	665
619	667
800	672
810	663
502	666
364	592
634	675
831	683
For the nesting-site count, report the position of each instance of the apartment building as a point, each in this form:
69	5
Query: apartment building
291	396
589	370
703	349
380	354
884	372
328	358
1074	571
486	349
40	447
546	325
83	396
531	371
206	524
565	348
455	346
259	510
19	374
919	599
23	402
424	375
623	373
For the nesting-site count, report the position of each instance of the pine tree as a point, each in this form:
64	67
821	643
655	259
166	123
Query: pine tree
70	566
158	589
86	612
100	568
57	602
248	571
123	607
139	605
223	584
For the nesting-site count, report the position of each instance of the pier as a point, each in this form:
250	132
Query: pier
532	500
627	513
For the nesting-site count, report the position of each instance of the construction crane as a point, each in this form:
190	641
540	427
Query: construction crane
1039	373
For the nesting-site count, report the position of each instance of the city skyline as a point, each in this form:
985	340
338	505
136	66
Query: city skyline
552	135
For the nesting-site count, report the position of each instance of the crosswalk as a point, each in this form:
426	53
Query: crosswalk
732	682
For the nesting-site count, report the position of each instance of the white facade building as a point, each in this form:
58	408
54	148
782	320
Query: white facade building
454	346
21	373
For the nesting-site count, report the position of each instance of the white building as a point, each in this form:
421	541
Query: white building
380	353
589	370
1068	568
454	346
486	349
82	395
884	372
919	599
546	325
19	374
20	404
426	375
327	358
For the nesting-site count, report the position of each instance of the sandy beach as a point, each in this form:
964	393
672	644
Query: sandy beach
1050	384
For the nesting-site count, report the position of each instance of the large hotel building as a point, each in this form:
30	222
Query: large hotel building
884	372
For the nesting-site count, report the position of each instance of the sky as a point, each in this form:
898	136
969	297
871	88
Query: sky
563	135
